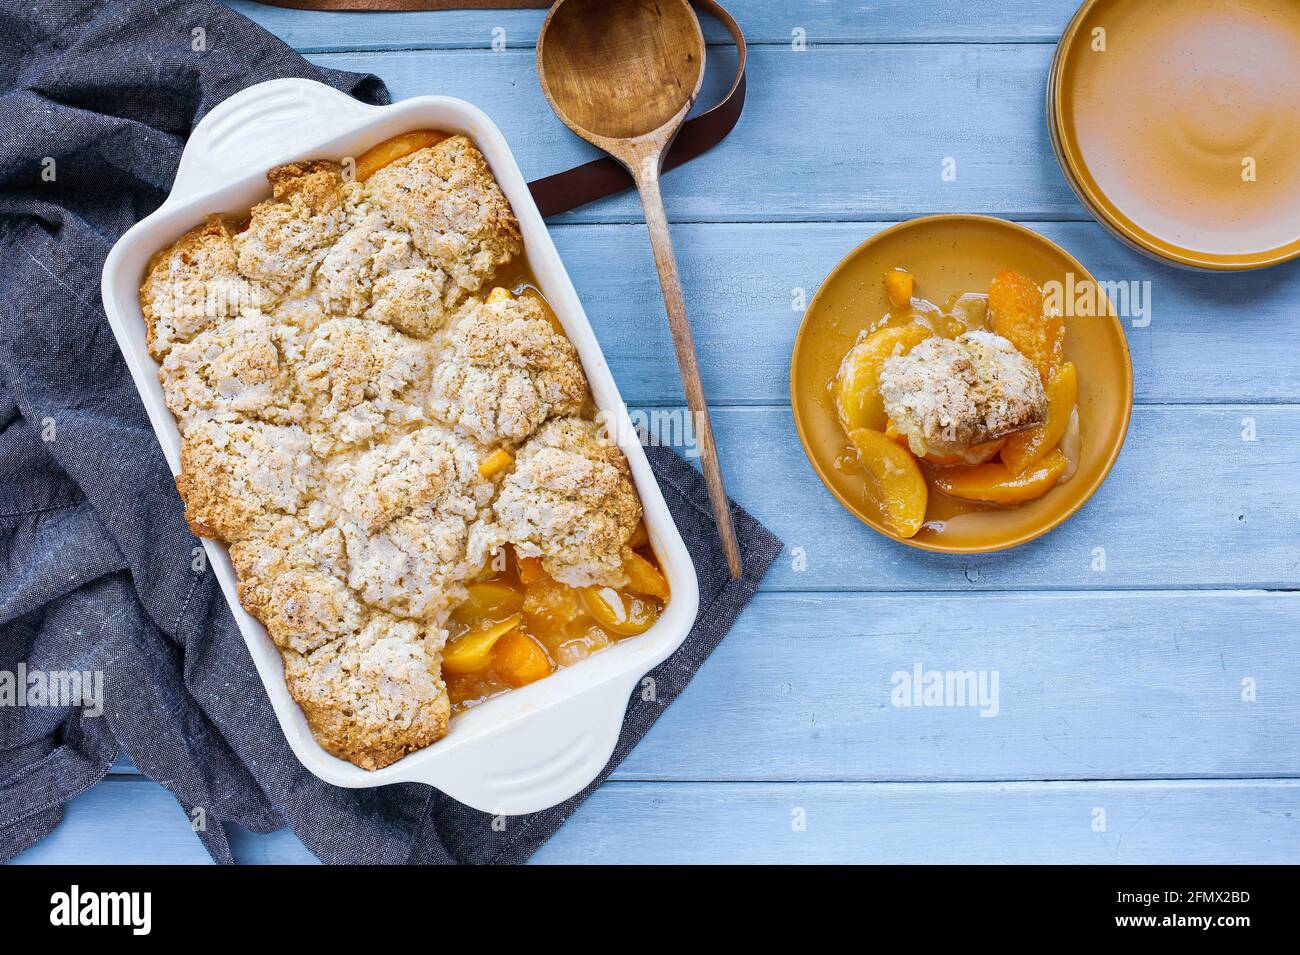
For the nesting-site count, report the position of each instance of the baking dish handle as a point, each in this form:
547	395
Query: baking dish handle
539	760
258	128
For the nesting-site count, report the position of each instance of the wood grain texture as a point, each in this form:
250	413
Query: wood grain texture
1212	822
1207	338
823	22
1116	685
902	823
1189	504
870	151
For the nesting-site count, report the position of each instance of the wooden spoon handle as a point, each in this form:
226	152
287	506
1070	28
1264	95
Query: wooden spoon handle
647	181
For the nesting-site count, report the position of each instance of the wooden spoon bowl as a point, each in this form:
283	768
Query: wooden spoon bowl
620	69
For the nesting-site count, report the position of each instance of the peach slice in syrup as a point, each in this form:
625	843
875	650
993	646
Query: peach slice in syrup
398	147
899	485
993	483
1025	447
1017	313
858	382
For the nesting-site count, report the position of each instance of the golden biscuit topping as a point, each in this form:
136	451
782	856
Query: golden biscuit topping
505	371
571	502
448	201
348	409
947	395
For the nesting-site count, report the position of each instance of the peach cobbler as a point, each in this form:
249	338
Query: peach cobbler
974	401
386	423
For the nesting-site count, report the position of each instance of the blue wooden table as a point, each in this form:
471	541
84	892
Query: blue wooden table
1146	652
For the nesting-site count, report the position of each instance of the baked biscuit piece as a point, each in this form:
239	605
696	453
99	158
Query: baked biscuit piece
291	578
570	501
368	251
238	474
947	395
446	197
416	302
415	565
290	233
193	285
239	367
421	467
505	371
375	696
408	513
360	378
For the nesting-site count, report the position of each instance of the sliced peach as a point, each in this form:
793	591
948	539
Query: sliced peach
858	380
640	536
1017	313
487	602
1025	447
625	614
550	606
644	577
530	570
390	150
993	483
899	484
899	285
519	659
499	294
495	463
579	643
473	651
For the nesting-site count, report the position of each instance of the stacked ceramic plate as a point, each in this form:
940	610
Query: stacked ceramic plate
1177	123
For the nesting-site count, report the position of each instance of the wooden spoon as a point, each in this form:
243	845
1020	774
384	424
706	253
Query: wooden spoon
623	74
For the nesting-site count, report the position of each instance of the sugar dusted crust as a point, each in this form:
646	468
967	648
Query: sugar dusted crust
448	201
337	380
193	285
570	501
947	395
375	695
506	370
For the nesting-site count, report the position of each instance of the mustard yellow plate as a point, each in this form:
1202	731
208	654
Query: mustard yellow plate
951	255
1177	123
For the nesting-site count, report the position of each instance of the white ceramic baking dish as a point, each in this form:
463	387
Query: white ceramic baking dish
527	749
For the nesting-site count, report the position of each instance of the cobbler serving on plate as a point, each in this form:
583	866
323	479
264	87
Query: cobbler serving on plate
974	401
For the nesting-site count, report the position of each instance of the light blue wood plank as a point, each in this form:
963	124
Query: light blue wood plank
122	821
764	21
1189	504
1090	686
274	848
1107	686
1208	338
870	152
1144	822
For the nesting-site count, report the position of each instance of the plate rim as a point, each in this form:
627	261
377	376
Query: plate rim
1106	212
